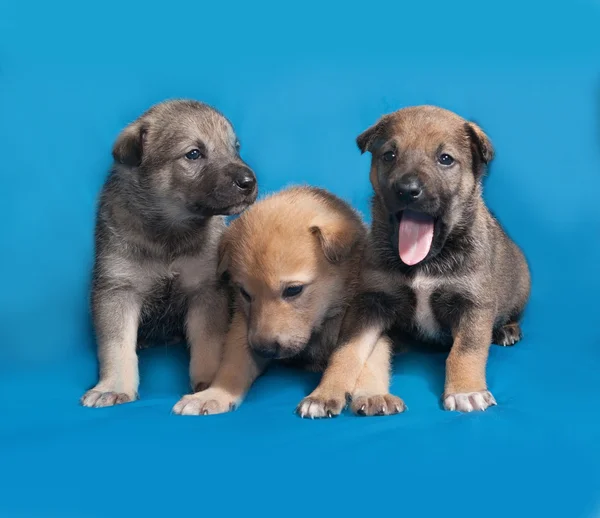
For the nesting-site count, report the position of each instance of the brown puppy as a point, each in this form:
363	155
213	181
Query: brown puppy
294	259
441	267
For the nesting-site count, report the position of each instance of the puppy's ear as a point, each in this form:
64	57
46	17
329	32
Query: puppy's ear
129	147
223	255
480	142
336	237
366	140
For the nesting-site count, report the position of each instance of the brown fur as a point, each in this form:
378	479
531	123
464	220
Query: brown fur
300	236
473	285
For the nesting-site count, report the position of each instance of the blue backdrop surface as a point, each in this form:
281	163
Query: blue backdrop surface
299	81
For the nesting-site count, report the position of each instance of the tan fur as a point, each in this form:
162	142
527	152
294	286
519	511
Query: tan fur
300	236
371	394
466	387
239	369
474	283
287	239
206	343
339	379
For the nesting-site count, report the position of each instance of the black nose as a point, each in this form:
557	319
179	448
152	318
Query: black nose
245	180
409	189
266	349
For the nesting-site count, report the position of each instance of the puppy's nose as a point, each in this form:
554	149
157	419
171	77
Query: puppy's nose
245	180
408	189
266	349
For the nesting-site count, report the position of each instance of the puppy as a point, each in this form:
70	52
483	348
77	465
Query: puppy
441	268
176	173
295	261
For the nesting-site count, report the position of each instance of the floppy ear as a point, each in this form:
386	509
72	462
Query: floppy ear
480	142
368	137
336	237
223	255
128	148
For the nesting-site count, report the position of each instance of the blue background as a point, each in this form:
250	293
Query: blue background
299	81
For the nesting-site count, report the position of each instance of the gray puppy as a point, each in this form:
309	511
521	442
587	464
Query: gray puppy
177	173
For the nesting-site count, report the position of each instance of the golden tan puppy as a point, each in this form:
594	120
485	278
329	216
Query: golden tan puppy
294	260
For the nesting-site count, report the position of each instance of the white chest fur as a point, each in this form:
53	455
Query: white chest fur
423	286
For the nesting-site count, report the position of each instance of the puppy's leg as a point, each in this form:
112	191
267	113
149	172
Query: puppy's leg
508	334
340	376
206	327
116	318
371	395
466	388
238	370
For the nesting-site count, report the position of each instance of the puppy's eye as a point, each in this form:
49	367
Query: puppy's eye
292	291
194	154
245	294
388	156
445	159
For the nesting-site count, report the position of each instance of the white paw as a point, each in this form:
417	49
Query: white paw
209	401
317	407
469	401
100	398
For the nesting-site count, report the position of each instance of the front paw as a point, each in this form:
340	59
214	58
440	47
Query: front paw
469	401
384	404
207	402
319	406
200	386
96	398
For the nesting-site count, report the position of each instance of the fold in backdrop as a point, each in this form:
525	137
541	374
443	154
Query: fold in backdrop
299	81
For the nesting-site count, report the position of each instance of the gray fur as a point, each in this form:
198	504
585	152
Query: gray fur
159	222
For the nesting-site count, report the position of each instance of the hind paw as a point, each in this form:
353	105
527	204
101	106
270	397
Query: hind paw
508	334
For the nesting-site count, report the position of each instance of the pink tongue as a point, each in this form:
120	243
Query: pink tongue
414	236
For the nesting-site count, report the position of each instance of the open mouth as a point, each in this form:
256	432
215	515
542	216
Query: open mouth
415	235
